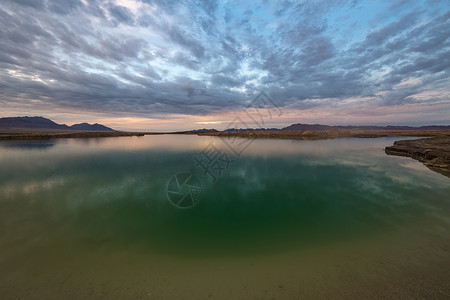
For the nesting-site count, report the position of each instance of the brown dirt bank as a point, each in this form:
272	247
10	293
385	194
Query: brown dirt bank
326	134
55	135
433	152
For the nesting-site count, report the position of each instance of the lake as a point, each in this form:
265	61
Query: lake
198	217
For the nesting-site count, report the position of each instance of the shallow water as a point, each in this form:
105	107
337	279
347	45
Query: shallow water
284	218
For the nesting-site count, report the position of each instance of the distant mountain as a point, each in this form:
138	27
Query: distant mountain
249	129
31	123
318	127
204	130
308	127
93	127
234	129
41	123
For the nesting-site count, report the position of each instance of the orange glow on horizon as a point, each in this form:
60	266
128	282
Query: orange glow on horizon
349	112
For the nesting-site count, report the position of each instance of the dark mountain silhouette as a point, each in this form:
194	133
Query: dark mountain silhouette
309	127
204	130
249	129
31	123
320	127
41	123
93	127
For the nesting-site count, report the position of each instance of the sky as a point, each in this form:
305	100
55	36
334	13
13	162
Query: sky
180	65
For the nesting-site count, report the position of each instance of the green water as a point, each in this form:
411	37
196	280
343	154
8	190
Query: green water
72	205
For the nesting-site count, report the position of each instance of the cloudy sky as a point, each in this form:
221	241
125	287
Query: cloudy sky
174	65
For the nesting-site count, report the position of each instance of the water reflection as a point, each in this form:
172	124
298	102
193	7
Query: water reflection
95	212
183	142
291	192
28	144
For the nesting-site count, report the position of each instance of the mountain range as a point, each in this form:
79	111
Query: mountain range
41	123
309	127
22	124
319	127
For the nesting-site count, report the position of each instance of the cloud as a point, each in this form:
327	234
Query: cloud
38	4
152	58
121	14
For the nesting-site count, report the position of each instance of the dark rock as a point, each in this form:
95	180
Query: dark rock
433	152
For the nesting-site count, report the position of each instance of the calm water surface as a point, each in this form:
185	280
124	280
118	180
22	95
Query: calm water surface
91	217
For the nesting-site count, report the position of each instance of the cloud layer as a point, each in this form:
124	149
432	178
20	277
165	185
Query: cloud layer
130	58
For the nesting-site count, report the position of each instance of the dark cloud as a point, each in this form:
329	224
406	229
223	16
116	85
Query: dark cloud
121	14
316	51
184	39
222	80
38	4
64	7
199	57
378	37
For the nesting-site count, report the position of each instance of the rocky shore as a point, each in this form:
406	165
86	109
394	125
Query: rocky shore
433	152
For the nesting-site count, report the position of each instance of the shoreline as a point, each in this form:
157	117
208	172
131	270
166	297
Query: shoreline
77	134
297	135
325	134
